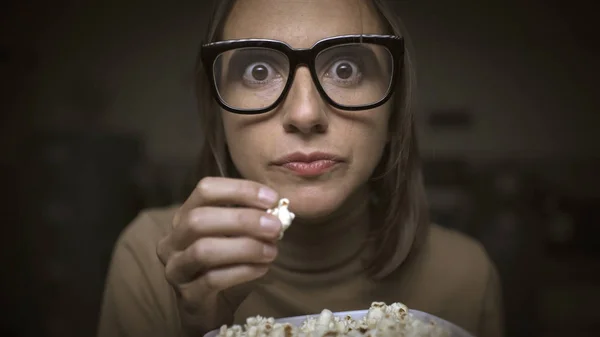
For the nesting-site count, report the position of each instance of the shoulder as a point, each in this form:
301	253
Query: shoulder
449	263
470	284
137	298
458	259
136	272
148	227
456	250
136	245
450	276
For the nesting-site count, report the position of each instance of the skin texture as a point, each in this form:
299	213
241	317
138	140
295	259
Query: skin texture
304	121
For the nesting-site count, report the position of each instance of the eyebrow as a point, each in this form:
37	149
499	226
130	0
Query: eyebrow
362	48
237	55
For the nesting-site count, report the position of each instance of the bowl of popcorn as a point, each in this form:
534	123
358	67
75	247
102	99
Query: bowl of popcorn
380	320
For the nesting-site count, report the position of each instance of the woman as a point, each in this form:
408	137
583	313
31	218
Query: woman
311	101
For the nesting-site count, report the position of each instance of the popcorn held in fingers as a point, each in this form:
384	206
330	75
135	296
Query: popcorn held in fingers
285	216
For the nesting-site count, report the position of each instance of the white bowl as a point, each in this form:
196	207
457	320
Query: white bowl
455	331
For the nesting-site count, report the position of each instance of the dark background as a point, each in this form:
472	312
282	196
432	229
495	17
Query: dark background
99	122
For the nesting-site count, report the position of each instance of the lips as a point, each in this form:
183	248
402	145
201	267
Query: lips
312	164
300	157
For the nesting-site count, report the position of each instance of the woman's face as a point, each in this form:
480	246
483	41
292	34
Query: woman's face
350	142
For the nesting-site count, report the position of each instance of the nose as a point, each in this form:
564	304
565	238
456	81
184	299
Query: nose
303	108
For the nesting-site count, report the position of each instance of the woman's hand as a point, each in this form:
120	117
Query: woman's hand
213	247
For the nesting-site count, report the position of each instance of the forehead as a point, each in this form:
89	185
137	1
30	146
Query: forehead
301	23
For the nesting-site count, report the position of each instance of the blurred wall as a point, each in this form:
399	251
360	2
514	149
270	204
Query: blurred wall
521	69
141	55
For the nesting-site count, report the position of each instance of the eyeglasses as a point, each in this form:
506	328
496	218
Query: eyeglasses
351	72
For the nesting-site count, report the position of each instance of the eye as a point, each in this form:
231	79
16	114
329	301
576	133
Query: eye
259	73
344	72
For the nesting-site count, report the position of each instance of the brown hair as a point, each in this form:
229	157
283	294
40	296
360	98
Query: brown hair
396	182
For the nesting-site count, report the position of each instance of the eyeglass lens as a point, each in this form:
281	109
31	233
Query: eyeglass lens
352	75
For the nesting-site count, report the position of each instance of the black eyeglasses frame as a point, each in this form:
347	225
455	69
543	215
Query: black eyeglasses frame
304	56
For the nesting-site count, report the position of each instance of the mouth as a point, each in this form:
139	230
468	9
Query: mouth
309	165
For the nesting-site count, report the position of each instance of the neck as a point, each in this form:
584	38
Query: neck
327	244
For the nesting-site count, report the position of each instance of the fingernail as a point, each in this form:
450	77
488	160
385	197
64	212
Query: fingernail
268	196
269	251
269	224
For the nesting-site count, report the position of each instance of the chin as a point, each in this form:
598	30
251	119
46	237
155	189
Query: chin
312	212
313	203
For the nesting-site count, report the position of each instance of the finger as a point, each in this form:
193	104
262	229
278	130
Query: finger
209	253
219	279
164	249
225	221
224	191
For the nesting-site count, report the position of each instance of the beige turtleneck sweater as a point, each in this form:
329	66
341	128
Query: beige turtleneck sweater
450	277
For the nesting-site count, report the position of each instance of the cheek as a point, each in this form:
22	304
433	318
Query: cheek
246	144
368	149
370	141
